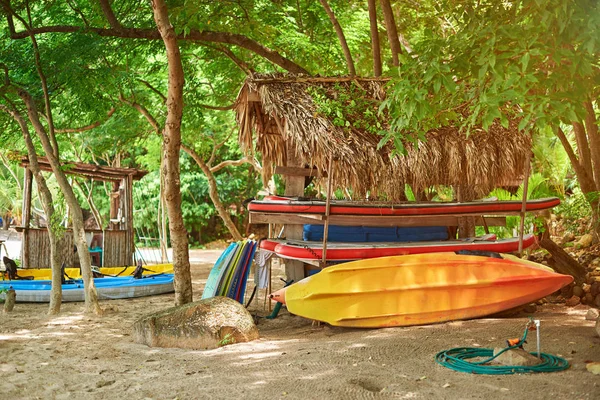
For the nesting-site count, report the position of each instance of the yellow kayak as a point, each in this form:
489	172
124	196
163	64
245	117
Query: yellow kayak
75	273
418	289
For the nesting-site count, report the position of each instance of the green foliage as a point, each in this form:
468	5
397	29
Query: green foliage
530	60
228	339
551	161
11	193
574	209
235	185
537	188
347	106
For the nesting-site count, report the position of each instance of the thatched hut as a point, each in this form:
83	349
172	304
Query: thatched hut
302	122
278	115
115	245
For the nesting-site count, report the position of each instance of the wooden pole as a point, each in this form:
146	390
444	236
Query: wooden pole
268	288
327	206
129	219
524	202
26	217
294	186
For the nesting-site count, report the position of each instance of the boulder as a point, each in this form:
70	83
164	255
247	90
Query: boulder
577	291
567	237
598	326
589	299
516	357
204	324
595	289
592	314
573	301
584	241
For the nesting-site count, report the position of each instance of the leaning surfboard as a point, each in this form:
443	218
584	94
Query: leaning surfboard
237	274
418	289
242	287
228	277
215	273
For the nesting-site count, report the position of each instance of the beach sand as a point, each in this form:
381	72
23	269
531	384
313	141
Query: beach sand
75	356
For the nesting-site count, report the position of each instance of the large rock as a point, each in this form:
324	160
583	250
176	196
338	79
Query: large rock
205	324
573	301
592	314
584	241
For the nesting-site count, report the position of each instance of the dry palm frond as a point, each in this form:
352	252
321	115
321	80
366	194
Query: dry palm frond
277	114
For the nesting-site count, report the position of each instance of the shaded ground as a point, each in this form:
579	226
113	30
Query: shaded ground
79	356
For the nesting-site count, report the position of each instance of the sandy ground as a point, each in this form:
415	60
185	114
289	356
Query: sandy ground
75	356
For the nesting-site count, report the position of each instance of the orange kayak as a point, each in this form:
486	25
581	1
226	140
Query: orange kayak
419	289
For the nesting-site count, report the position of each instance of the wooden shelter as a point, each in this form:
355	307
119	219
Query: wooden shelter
279	118
114	243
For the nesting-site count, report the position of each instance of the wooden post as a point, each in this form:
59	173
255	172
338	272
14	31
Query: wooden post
114	206
327	206
26	217
128	214
466	225
294	186
524	202
268	289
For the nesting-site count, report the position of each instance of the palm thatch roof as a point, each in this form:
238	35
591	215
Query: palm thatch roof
275	110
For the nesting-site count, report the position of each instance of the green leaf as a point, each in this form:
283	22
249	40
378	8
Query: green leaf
437	84
524	122
524	62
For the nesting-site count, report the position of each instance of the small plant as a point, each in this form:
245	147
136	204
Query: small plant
228	339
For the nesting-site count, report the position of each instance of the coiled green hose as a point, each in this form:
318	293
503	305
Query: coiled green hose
457	357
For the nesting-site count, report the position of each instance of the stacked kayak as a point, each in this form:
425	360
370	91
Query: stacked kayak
38	291
419	289
276	204
229	275
312	250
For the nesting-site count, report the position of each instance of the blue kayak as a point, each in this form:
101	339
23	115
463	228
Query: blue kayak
38	291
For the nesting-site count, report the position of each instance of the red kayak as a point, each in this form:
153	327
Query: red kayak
304	250
277	204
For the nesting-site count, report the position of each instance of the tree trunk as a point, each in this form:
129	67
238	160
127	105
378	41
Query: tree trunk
584	165
392	31
162	219
561	260
375	48
593	134
90	200
91	296
48	205
214	194
171	147
341	37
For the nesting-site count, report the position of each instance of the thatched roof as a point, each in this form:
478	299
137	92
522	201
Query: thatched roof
274	109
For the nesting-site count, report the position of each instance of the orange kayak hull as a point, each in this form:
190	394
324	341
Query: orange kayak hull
419	289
